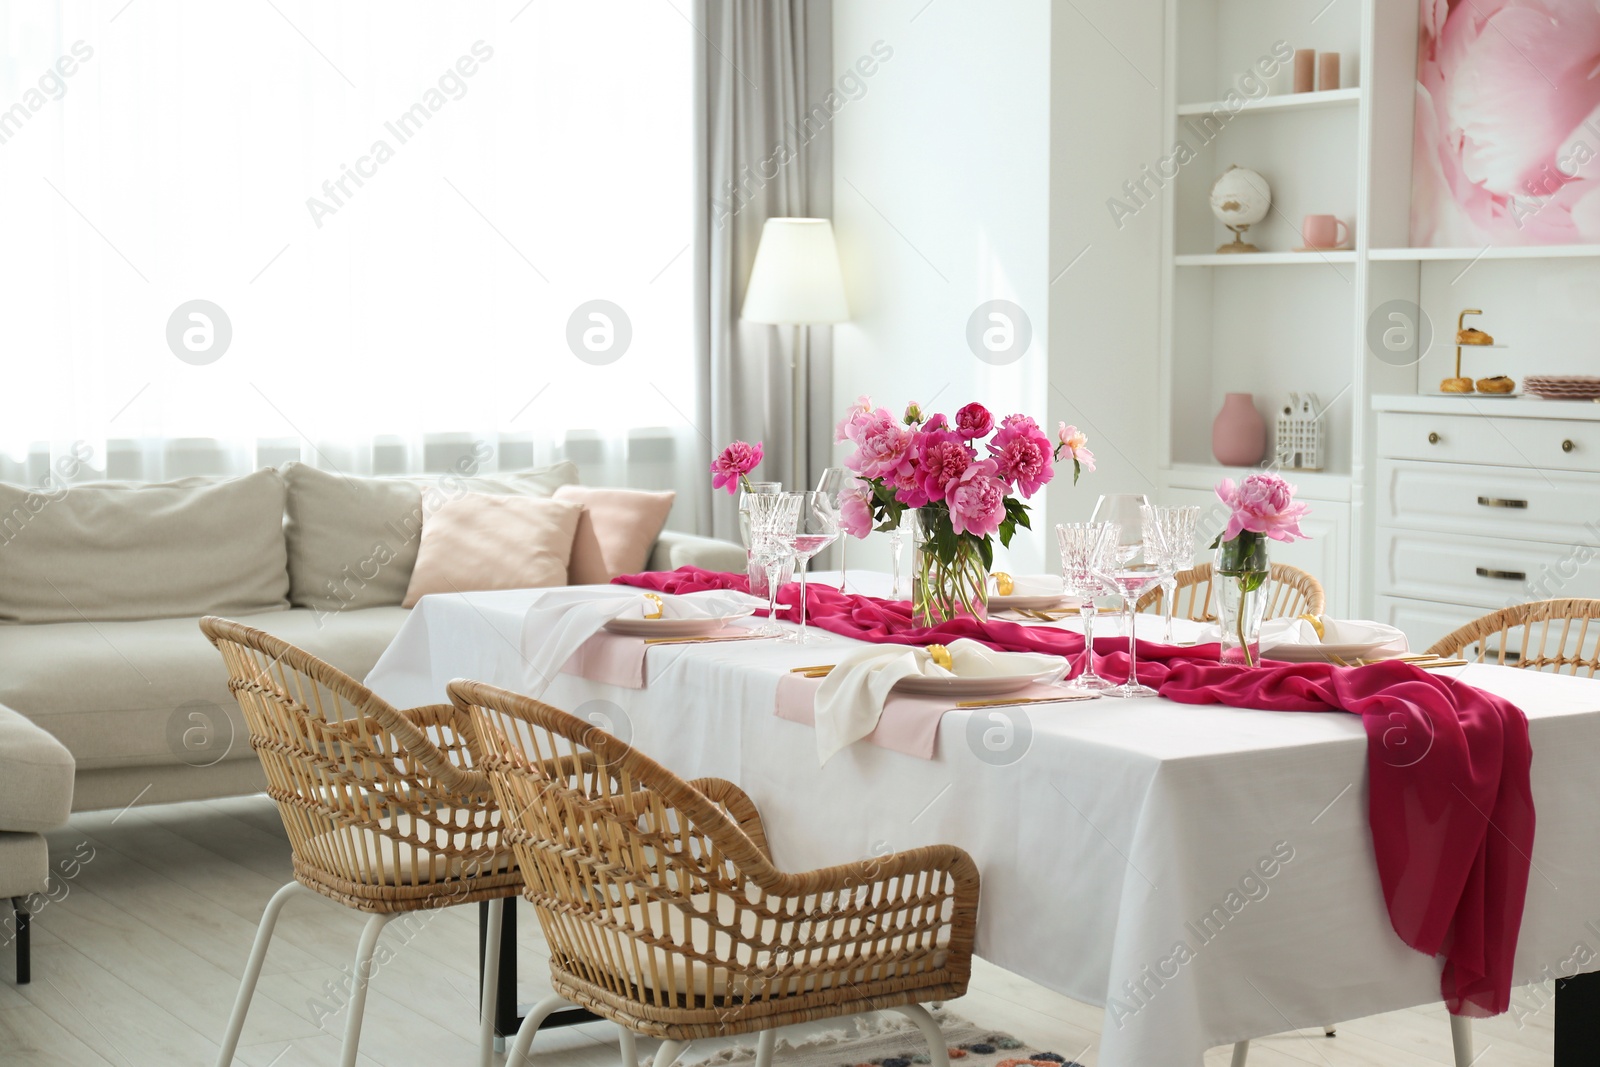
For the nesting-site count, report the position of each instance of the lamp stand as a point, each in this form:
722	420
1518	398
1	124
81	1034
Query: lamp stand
798	383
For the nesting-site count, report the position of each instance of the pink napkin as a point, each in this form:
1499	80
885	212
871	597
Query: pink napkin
616	659
909	725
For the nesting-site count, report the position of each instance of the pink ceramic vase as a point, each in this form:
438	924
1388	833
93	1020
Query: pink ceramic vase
1239	433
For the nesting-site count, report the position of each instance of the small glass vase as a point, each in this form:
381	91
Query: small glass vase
946	588
1242	575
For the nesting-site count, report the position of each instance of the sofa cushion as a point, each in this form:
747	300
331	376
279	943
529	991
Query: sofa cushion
477	542
35	776
616	531
353	540
130	550
121	694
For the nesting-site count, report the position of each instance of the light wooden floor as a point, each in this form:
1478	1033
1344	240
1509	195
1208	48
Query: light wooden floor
138	963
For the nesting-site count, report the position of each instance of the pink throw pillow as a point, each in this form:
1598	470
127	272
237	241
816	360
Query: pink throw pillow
481	541
618	529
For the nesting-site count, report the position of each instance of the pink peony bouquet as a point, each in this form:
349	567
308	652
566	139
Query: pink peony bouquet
1261	504
731	470
967	476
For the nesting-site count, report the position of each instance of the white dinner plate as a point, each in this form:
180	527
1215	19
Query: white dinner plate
990	685
1322	653
1035	602
672	627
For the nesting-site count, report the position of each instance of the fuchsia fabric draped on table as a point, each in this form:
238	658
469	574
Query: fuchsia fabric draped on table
1451	805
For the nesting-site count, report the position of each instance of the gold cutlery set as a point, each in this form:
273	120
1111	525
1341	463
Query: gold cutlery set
1422	659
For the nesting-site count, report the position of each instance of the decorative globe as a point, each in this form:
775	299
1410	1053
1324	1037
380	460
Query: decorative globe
1241	197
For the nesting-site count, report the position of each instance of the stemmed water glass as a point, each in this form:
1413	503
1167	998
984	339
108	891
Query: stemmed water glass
773	518
1123	509
758	573
832	484
815	528
1130	582
1087	551
897	536
1175	530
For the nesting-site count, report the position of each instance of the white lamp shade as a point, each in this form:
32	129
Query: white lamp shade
796	279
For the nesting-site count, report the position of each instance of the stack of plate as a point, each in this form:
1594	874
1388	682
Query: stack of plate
1563	386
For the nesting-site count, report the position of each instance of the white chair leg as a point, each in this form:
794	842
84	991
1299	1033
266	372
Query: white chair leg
764	1045
669	1052
252	970
530	1026
630	1047
938	1051
1241	1052
491	981
1461	1038
358	989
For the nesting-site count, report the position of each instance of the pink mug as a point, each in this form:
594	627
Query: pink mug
1324	231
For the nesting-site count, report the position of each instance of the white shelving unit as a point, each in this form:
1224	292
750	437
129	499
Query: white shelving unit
1283	321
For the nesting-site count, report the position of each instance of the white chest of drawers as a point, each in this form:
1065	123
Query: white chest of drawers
1481	503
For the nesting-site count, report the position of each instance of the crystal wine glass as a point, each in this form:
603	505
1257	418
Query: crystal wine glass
1087	550
1177	528
757	573
816	527
897	541
773	517
832	484
1130	583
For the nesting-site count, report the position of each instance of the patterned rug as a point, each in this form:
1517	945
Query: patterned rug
889	1039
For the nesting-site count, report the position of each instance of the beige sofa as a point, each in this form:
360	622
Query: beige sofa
102	587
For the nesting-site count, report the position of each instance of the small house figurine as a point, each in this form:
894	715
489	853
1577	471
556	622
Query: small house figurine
1300	433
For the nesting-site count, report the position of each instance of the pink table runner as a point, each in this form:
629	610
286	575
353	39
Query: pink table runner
1450	805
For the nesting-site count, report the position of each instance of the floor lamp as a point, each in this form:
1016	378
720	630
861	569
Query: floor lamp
796	282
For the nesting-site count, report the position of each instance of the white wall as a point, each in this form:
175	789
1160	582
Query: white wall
976	165
941	202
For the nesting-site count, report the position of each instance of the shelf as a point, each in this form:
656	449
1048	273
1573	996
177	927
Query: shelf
1263	259
1489	252
1285	102
1312	485
1513	407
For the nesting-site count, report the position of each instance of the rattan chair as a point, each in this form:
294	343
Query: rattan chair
664	913
387	811
1292	593
1546	635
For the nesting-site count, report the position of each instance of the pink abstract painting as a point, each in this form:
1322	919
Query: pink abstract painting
1507	146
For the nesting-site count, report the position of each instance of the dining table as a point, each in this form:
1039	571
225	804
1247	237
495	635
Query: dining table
1204	874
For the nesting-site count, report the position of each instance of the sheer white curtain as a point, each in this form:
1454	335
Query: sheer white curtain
402	211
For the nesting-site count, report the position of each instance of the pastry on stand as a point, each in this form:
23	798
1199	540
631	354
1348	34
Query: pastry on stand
1471	337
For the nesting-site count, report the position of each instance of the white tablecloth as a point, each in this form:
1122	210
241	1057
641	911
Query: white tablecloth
1125	846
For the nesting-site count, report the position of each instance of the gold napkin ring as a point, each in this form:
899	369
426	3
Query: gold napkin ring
941	657
1003	585
1316	624
660	607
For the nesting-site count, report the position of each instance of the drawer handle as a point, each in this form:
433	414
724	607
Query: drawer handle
1567	445
1433	438
1498	502
1510	576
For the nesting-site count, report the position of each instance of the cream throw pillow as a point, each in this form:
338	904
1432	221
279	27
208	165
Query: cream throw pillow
618	529
477	541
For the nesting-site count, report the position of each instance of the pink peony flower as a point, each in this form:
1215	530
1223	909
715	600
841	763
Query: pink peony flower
1506	137
974	421
849	426
1071	441
855	510
1022	453
977	500
883	449
936	421
1264	504
940	457
736	461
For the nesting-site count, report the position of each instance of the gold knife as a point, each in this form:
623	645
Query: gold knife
1026	700
701	640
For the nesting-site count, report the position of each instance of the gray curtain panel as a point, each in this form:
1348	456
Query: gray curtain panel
765	149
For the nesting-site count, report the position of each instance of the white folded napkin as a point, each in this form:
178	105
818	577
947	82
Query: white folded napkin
1299	631
850	700
1032	585
563	619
